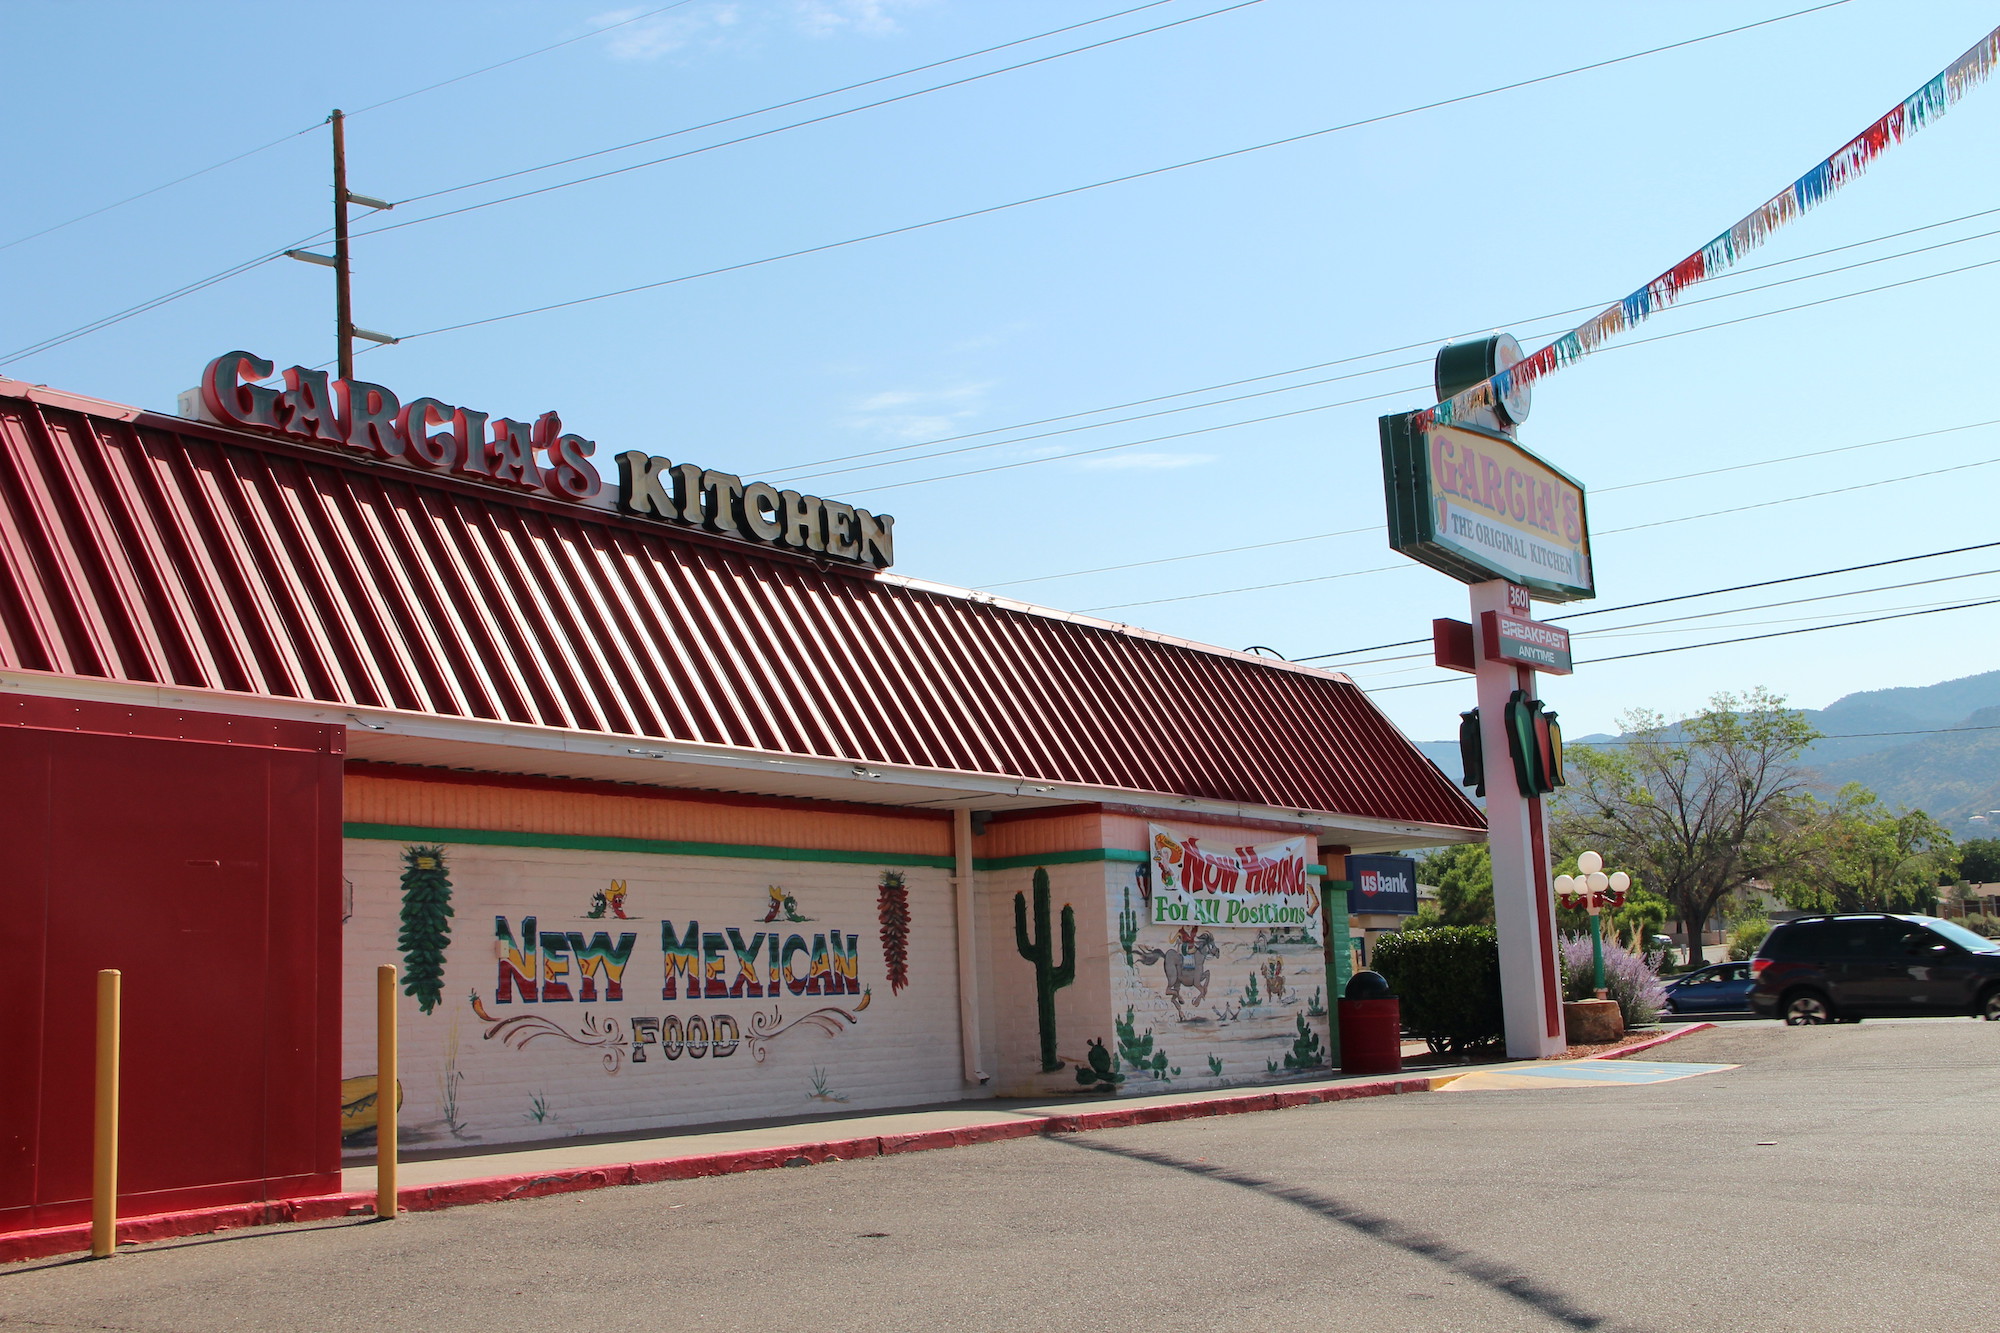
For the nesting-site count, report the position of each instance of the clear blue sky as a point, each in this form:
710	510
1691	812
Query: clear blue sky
1485	214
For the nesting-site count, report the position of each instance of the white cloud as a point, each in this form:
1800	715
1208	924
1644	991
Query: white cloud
936	411
831	18
663	34
893	398
1156	462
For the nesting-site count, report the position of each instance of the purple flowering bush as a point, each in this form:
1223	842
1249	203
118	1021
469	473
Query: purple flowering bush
1628	978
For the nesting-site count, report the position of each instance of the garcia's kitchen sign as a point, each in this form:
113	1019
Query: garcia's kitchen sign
537	458
1262	886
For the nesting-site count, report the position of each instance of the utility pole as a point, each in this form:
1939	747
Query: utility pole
343	298
344	330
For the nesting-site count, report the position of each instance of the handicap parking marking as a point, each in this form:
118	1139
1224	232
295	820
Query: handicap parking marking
1580	1074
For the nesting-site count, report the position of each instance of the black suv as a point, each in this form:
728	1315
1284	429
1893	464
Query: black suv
1841	969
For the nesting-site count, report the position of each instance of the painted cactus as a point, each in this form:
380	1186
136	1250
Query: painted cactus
1128	927
1050	975
1101	1071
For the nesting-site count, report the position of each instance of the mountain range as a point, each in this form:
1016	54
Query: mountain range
1921	747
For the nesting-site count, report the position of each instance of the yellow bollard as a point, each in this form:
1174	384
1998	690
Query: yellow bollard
104	1157
385	1090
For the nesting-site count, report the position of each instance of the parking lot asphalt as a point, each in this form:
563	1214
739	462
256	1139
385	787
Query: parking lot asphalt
1834	1181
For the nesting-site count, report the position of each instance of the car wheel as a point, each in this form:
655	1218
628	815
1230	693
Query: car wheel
1807	1009
1989	1006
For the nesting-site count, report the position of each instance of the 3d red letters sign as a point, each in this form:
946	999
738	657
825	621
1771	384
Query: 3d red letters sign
368	418
537	458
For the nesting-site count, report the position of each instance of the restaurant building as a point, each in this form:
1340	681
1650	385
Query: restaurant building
671	804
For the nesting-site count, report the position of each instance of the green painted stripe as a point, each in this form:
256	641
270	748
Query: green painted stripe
1071	858
644	846
735	851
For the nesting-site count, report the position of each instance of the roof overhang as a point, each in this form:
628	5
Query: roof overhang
472	745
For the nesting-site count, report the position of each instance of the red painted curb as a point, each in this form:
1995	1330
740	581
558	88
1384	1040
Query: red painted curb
52	1241
1639	1046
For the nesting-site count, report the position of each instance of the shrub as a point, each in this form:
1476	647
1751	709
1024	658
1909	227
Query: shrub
1448	979
1744	939
1989	926
1628	979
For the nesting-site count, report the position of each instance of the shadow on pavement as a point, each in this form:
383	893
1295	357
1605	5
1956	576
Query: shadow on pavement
1488	1273
126	1247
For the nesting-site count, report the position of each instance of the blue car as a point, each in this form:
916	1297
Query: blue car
1717	988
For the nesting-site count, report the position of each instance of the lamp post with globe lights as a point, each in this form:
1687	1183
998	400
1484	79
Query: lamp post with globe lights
1593	889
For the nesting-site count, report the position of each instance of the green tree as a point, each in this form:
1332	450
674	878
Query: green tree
1694	808
1979	861
426	924
1855	854
1463	875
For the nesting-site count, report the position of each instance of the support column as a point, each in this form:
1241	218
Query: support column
968	952
1523	909
1339	947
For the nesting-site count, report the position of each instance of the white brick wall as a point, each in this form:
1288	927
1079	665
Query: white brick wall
901	1050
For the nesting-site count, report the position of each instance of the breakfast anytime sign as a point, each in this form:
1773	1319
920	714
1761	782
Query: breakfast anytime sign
1263	886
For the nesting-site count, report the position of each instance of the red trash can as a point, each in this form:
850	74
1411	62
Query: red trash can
1371	1036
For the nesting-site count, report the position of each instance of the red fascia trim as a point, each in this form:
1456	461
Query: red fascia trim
44	713
1041	812
375	768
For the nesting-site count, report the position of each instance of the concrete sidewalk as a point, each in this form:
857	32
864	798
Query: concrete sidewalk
953	1124
447	1179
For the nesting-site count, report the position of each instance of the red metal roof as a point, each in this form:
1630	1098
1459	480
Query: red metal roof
143	548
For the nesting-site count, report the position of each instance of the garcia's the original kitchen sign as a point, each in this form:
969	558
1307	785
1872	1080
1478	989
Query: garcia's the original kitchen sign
1478	506
537	458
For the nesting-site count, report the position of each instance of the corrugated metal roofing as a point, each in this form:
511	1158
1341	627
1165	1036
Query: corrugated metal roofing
149	549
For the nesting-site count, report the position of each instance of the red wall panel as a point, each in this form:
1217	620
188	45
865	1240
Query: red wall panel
200	856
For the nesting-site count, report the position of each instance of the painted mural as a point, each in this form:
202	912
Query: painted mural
630	991
1220	976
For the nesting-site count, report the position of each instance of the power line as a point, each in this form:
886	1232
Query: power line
1195	555
57	340
1651	626
1841	736
96	325
776	129
1690	596
1132	444
1685	518
1099	425
1723	643
1227	425
287	138
1334	379
1623	486
1814	495
789	469
515	60
1116	180
1780	634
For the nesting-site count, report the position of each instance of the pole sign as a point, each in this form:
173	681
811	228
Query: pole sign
539	459
1477	506
1382	884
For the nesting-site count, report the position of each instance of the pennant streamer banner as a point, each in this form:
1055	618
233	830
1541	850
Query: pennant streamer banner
1912	114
